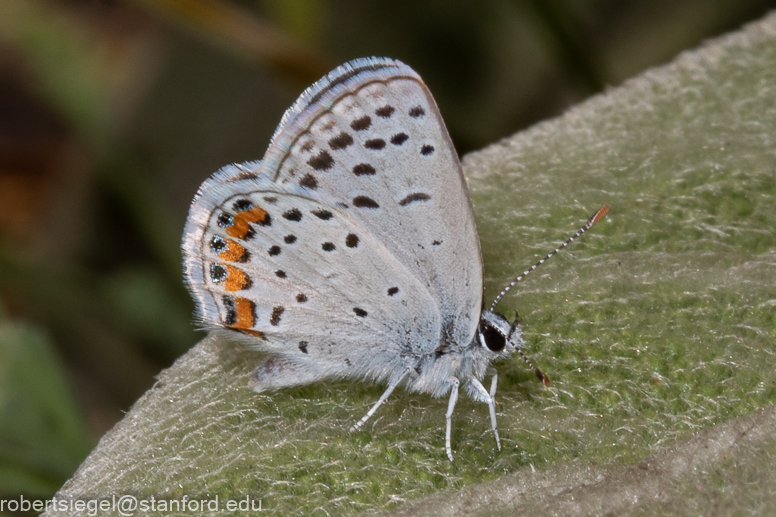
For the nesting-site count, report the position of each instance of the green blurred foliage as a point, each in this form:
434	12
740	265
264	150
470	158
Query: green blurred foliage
43	436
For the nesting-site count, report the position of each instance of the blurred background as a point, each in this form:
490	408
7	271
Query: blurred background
113	112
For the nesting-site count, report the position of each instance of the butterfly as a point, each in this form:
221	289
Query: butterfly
350	251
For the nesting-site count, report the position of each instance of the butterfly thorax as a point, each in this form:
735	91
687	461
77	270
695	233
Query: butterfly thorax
495	339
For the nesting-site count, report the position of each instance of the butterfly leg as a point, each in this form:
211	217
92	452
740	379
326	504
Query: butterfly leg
492	407
449	416
383	398
481	395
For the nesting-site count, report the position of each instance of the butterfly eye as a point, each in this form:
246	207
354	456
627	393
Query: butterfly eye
494	340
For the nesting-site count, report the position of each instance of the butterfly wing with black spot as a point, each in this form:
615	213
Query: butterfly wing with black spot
302	279
369	139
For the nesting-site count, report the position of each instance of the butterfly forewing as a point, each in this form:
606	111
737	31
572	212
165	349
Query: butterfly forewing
369	140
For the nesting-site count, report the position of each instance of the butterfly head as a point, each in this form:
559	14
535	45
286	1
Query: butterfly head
497	335
499	338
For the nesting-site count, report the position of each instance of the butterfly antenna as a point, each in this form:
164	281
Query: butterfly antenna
540	374
590	222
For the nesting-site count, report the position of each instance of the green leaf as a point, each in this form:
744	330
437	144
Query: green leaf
43	437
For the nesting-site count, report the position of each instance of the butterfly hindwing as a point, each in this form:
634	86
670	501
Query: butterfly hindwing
303	279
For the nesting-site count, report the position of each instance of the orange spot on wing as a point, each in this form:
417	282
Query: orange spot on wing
236	280
246	316
254	215
239	228
254	333
234	252
241	223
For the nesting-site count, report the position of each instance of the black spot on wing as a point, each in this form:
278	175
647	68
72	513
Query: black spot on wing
241	205
309	181
266	221
231	313
303	346
217	244
321	161
280	273
360	124
225	220
399	138
301	297
363	169
375	144
392	291
427	150
289	239
417	196
293	215
361	313
328	246
351	241
274	318
385	111
340	141
365	202
417	111
322	214
274	251
217	273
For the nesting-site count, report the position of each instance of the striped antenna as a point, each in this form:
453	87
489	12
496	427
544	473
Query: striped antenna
540	374
590	222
